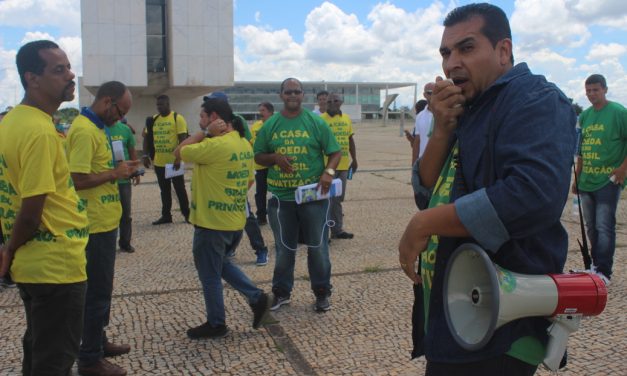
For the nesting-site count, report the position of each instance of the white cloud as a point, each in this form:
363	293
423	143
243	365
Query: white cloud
11	91
605	51
258	16
537	23
64	14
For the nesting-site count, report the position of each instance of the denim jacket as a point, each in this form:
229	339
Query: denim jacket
513	210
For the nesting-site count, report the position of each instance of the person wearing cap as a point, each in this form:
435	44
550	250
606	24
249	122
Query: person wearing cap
293	144
167	131
223	174
252	225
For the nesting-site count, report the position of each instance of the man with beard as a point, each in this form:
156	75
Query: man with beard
95	177
44	223
501	148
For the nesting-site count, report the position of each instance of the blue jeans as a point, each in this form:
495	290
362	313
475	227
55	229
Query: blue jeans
100	252
210	248
289	221
599	212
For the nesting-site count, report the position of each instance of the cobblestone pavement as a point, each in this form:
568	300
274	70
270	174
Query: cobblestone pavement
368	329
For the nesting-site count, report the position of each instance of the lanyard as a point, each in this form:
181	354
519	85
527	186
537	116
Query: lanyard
91	115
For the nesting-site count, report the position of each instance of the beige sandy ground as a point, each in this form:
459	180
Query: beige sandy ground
367	332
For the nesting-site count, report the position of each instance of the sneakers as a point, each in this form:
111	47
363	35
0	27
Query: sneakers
342	235
101	368
7	282
603	278
262	258
111	349
278	301
322	303
260	309
207	331
162	220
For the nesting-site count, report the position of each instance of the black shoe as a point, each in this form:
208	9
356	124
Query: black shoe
342	235
129	249
262	221
278	301
162	220
322	303
260	310
7	282
207	331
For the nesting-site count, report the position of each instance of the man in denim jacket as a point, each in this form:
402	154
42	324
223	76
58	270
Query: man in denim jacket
515	135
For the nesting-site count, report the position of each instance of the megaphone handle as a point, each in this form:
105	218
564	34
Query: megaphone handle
559	331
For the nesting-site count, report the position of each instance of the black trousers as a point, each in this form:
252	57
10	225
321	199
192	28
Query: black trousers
166	193
261	181
54	324
503	365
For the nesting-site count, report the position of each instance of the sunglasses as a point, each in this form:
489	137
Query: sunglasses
429	92
292	92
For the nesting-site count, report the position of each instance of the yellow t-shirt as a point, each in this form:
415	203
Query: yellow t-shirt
342	128
223	167
32	163
254	129
166	135
89	152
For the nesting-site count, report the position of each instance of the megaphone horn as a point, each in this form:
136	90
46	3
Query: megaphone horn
480	297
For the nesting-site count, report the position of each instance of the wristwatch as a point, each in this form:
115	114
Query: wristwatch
330	171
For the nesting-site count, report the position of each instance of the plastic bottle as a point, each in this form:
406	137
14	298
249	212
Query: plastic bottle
350	174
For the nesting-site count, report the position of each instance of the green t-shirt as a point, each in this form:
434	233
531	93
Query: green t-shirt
307	139
603	144
121	132
527	349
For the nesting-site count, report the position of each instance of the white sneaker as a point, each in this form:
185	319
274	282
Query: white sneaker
603	278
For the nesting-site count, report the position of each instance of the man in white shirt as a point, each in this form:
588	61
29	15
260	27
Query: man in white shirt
422	128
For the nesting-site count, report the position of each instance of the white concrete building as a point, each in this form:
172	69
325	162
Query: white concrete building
181	48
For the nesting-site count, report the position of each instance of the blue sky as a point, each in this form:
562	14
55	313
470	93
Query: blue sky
364	40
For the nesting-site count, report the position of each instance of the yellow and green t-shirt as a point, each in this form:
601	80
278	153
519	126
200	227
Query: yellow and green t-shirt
32	163
223	167
254	129
342	128
89	152
166	131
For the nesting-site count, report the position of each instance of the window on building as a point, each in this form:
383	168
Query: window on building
155	36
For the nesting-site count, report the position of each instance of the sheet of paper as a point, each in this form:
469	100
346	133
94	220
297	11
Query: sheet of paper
170	172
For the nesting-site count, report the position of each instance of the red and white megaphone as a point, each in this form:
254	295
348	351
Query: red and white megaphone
480	297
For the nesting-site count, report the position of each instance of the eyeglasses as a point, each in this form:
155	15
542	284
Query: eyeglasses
292	92
334	101
117	108
428	92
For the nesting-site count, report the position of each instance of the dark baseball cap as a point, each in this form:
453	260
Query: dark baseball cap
216	95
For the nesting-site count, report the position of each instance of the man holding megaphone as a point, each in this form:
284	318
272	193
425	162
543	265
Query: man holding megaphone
498	163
